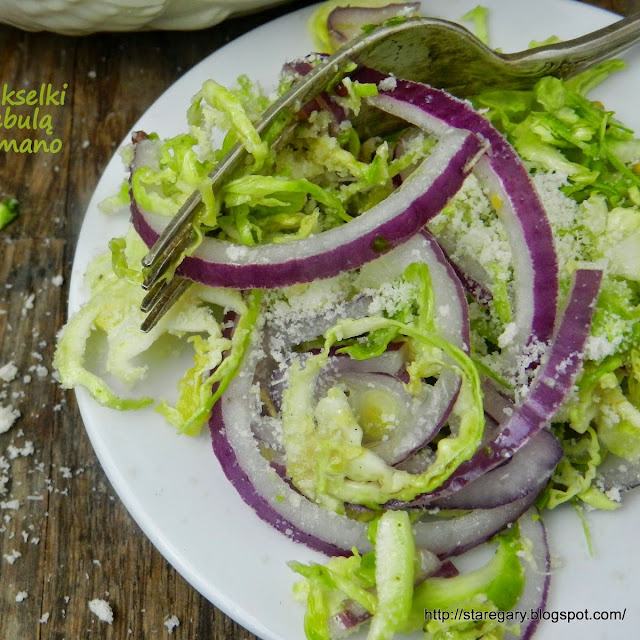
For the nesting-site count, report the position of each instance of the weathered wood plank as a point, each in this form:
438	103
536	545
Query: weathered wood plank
44	64
31	305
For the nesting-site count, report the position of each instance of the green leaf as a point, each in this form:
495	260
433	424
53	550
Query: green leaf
8	211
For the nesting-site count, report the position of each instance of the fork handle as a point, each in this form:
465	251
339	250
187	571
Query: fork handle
570	57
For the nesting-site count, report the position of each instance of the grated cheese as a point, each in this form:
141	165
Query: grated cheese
28	304
388	84
4	475
613	494
12	557
8	416
101	609
171	623
14	452
599	347
8	372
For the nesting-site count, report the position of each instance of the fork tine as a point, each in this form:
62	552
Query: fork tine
164	251
176	225
175	244
155	292
178	234
386	49
163	297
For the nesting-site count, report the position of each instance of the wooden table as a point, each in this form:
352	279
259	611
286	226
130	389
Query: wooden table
75	539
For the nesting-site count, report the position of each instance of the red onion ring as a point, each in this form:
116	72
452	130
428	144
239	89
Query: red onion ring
385	226
344	23
553	382
260	486
524	218
454	536
528	471
537	574
276	502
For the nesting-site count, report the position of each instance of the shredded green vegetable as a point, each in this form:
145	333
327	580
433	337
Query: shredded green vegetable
8	211
585	165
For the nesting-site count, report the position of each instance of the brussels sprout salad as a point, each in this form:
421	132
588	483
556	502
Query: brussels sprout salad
407	342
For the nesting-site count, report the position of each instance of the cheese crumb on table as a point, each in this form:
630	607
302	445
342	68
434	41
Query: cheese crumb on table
101	609
8	372
8	415
28	304
14	452
12	557
171	623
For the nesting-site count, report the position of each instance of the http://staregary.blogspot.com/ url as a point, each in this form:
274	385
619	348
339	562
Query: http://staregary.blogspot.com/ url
521	617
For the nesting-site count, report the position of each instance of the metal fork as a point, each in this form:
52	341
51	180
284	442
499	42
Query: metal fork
441	53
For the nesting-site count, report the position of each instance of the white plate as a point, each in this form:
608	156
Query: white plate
173	486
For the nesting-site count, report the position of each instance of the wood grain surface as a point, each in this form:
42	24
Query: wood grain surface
75	540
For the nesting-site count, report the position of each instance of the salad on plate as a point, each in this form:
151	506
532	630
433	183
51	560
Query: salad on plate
413	325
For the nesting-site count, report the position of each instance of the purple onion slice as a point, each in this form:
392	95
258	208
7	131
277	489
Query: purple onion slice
501	171
418	418
415	420
276	502
618	474
344	23
260	486
451	309
537	575
528	471
389	224
553	382
447	537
